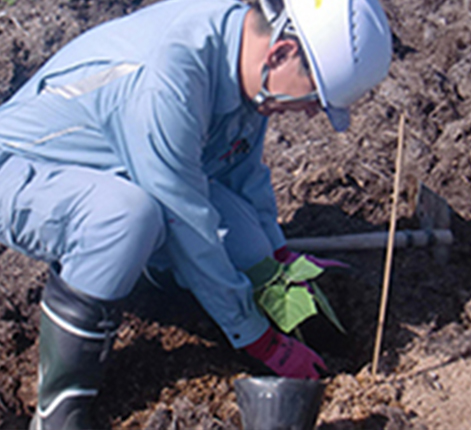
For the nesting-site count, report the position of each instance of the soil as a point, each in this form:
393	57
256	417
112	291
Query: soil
171	368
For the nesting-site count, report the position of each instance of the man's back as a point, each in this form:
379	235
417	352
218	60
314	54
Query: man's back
172	44
138	38
145	95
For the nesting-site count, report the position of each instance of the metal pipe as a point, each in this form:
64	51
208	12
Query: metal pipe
373	240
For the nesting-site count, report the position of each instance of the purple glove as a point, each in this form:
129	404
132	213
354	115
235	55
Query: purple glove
284	255
286	356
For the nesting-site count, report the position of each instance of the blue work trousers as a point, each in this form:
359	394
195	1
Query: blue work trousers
103	228
100	227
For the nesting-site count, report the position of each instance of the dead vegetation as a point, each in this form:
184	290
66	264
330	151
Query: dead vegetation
171	367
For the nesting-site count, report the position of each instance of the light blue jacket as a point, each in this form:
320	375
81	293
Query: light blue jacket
156	95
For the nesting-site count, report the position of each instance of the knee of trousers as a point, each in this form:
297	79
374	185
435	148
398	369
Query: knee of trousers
114	233
245	239
133	214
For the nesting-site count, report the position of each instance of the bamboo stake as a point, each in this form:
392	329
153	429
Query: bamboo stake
390	248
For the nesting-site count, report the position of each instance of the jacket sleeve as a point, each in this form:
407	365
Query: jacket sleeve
251	179
160	131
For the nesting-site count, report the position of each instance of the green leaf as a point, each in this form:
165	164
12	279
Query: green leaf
302	270
287	308
324	304
264	273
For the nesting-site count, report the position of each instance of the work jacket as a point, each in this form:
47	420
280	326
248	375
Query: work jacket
156	96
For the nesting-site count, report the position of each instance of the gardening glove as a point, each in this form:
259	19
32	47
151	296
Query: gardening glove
285	256
286	356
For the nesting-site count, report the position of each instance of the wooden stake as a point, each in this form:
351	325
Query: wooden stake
390	247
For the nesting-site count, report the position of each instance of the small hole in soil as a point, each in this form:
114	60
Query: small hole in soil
390	112
22	342
460	44
34	295
429	107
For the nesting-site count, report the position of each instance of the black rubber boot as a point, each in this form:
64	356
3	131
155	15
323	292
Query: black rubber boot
76	335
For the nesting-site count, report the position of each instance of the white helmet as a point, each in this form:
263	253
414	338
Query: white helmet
347	44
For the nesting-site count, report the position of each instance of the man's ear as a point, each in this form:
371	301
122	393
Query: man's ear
281	51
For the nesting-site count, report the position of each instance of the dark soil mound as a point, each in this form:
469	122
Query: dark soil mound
172	368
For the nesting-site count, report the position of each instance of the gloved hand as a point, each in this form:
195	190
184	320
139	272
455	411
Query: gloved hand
286	356
284	255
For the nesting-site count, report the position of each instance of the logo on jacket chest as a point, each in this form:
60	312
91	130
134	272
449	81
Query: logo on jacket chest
237	132
241	146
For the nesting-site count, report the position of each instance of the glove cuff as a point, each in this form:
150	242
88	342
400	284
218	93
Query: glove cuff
265	346
281	254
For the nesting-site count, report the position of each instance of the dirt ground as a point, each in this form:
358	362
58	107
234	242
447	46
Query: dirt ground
171	367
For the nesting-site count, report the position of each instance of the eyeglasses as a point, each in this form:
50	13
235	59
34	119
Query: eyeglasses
265	95
313	96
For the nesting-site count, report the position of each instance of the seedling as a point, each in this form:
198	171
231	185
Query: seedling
291	295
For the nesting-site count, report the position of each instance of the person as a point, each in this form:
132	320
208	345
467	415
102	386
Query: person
140	143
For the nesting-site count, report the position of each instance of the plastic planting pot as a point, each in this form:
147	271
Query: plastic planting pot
272	403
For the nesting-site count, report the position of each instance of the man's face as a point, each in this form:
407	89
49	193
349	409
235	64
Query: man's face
292	81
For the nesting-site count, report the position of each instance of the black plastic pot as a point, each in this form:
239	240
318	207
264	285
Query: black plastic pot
272	403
